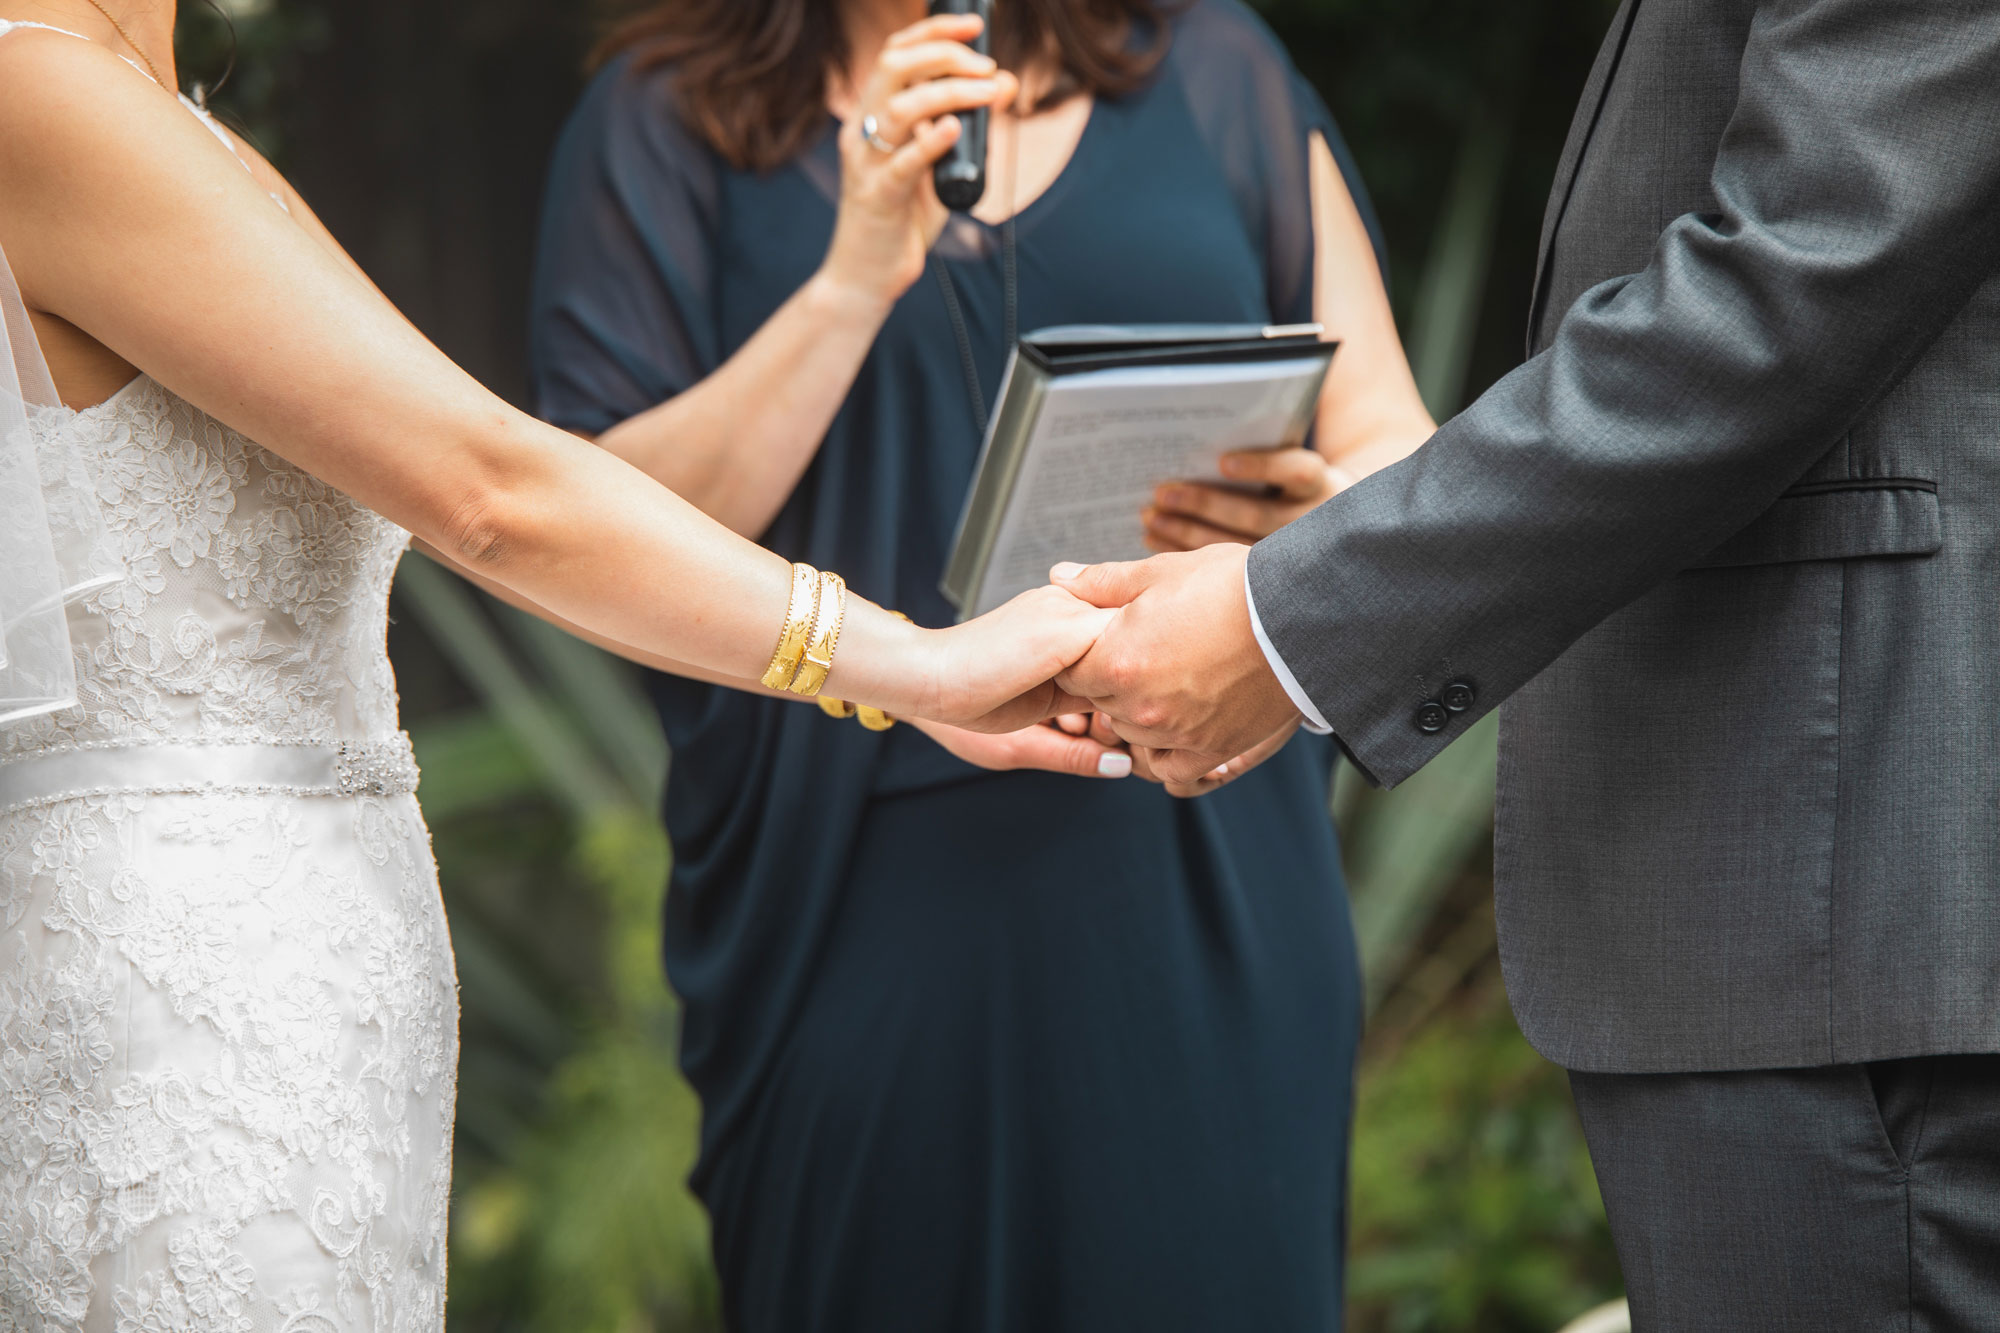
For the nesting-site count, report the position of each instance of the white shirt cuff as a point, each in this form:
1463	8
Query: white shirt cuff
1314	723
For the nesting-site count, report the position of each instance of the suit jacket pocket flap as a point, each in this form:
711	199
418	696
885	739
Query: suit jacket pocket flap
1838	520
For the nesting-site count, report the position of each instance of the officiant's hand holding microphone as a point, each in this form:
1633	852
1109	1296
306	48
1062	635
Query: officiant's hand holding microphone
902	121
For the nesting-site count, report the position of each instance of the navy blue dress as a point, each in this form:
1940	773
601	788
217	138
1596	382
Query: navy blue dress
1011	1053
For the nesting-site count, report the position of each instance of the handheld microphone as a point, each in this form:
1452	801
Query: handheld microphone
961	173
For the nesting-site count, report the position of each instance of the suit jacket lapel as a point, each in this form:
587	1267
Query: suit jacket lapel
1581	128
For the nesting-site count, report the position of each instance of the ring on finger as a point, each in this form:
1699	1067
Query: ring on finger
871	130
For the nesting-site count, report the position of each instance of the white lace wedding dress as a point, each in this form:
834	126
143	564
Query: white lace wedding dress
228	1013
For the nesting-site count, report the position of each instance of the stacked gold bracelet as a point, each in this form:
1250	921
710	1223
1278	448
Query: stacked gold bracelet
799	616
808	640
810	634
829	611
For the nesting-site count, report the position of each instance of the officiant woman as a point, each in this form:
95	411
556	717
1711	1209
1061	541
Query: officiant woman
978	1051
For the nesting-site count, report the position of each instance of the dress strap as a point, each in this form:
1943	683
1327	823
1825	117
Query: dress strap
209	122
8	25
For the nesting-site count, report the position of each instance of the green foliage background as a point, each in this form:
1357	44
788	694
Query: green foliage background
418	130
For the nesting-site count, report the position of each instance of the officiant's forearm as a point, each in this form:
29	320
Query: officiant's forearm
736	444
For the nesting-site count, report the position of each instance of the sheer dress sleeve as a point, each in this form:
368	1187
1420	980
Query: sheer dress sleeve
1258	114
623	311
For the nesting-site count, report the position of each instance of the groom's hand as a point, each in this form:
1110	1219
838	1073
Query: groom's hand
1217	778
1178	669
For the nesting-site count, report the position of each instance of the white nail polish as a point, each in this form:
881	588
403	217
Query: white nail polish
1066	570
1112	764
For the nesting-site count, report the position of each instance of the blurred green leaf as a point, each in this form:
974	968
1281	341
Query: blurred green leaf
469	761
1404	848
602	693
1475	1207
451	612
587	1225
1449	301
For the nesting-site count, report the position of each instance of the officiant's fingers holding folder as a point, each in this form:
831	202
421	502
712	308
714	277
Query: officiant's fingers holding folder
1293	482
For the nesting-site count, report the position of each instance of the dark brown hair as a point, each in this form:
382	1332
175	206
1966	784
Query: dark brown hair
752	74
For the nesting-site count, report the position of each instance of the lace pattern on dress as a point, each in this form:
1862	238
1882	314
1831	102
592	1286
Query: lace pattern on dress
255	600
231	1058
228	1019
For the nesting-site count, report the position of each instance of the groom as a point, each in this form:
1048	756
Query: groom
1729	547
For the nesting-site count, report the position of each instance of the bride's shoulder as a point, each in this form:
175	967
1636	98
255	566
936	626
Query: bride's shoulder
57	89
74	116
37	62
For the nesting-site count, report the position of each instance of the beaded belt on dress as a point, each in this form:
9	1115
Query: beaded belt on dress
384	767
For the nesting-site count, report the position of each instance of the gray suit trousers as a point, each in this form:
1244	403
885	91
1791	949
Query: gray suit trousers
1843	1197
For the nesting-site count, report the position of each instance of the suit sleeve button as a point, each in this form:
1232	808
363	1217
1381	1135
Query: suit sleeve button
1432	717
1459	696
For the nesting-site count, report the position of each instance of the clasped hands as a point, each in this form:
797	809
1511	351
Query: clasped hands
1177	674
1173	676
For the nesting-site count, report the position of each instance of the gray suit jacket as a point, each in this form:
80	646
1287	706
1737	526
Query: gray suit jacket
1729	544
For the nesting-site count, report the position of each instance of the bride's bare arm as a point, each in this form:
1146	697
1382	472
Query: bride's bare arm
125	217
1037	747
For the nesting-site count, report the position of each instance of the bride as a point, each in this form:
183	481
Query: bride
227	1008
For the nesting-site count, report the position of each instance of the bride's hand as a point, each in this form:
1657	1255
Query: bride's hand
997	673
1038	747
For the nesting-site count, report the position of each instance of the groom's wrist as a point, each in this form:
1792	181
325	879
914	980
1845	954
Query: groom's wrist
1310	716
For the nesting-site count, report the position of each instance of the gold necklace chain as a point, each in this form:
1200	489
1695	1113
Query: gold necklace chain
120	29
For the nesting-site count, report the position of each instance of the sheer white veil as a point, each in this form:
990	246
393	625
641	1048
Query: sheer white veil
54	547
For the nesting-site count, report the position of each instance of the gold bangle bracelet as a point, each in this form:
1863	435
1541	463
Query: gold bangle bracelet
827	618
797	629
833	707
